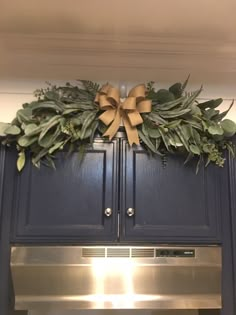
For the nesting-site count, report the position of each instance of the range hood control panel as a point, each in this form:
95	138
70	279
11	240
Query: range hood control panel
169	252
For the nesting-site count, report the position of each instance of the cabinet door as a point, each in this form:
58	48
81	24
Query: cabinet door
2	160
170	203
232	174
68	204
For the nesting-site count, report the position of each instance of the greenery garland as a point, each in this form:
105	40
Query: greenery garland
69	115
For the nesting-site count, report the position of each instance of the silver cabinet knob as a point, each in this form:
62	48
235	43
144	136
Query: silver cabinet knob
108	212
130	212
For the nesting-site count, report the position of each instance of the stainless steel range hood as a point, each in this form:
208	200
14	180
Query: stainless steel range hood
116	277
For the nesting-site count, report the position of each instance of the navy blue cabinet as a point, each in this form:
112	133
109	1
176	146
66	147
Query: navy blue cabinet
155	203
5	217
68	204
2	160
3	294
170	203
232	176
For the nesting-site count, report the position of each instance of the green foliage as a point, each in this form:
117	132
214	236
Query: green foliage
68	115
187	125
60	115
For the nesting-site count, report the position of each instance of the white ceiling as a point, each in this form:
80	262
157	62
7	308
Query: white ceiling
125	39
202	18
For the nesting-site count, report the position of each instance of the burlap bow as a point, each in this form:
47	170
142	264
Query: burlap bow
128	111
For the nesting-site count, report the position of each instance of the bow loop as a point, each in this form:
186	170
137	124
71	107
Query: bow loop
138	91
129	103
127	112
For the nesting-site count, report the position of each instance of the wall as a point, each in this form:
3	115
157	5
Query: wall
14	93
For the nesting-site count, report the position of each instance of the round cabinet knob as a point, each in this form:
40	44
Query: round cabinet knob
108	212
130	212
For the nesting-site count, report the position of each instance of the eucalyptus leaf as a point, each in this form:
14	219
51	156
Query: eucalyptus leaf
70	111
56	146
154	133
170	105
24	115
185	83
210	104
229	127
195	124
215	130
174	113
36	131
82	106
49	162
189	157
192	98
12	130
163	96
145	129
30	128
157	118
77	121
182	138
148	142
176	90
222	115
102	127
86	134
195	110
158	143
50	138
3	127
36	158
200	160
174	124
210	113
196	136
88	120
52	122
206	148
231	149
186	131
94	127
194	149
21	161
26	141
46	106
165	139
175	141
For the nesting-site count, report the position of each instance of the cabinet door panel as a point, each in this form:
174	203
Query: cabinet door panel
171	203
69	203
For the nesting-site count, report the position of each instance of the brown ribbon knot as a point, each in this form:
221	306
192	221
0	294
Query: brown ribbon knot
127	112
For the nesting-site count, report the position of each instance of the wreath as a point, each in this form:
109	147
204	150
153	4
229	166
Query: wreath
164	121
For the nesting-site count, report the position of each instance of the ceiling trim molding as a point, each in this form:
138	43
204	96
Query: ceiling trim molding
69	43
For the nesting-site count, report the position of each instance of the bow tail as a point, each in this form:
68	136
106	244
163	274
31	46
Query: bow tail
131	131
112	130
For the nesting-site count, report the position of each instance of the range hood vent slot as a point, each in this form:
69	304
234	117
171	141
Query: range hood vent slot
113	252
116	252
142	252
93	252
